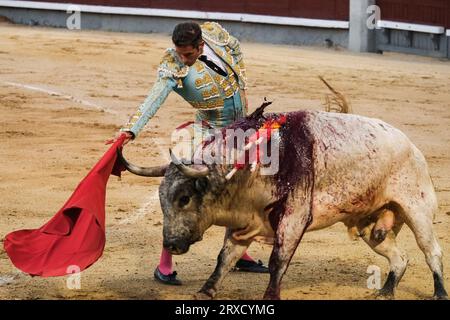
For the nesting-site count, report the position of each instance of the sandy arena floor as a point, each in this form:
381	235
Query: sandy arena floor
62	93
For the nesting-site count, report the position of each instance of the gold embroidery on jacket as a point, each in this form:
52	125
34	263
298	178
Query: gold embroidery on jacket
212	93
204	81
215	33
169	67
205	105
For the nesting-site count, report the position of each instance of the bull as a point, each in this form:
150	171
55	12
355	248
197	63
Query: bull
334	167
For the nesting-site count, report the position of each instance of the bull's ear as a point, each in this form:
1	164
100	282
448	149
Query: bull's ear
201	184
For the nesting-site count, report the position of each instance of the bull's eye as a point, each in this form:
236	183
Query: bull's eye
184	200
201	184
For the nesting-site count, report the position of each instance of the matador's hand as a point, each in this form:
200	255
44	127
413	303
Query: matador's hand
128	135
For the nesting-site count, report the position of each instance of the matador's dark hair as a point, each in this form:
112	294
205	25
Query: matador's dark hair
187	34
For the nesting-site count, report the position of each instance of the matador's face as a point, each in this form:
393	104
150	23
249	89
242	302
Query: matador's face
189	54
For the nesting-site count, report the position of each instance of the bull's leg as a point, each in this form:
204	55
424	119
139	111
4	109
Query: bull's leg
231	252
421	225
290	231
414	194
388	248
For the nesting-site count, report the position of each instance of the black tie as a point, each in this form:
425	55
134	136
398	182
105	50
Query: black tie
212	65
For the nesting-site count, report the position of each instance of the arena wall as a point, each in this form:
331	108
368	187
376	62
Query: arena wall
411	26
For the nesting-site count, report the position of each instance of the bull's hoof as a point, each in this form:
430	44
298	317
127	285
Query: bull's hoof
271	296
272	293
384	295
202	295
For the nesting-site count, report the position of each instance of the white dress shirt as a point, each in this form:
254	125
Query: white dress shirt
211	55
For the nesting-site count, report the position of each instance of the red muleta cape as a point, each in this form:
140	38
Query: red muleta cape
75	236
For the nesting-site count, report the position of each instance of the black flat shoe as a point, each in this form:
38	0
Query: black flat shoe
251	266
170	279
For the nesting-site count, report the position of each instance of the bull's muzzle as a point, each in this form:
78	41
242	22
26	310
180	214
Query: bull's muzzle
176	246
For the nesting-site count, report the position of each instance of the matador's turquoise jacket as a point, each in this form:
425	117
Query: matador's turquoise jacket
219	100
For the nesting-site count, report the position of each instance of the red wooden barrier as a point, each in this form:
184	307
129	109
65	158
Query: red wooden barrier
431	12
314	9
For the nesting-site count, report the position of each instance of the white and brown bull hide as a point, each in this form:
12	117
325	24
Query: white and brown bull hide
333	168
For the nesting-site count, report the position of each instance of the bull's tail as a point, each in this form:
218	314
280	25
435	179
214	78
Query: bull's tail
335	102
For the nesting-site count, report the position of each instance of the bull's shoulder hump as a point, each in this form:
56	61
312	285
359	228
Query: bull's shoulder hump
347	117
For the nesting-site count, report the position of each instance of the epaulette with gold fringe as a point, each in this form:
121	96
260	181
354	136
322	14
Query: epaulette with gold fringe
170	65
215	33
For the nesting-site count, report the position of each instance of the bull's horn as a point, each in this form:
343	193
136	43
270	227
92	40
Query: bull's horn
141	171
189	171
